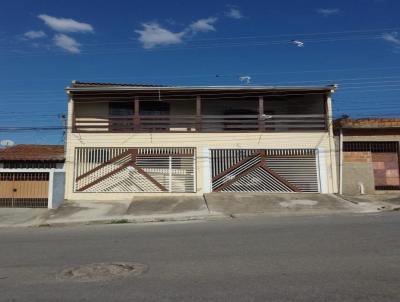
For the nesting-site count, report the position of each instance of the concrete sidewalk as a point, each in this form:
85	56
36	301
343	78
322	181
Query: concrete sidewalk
212	205
287	204
388	200
143	209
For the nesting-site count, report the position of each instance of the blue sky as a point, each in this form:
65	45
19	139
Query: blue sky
46	44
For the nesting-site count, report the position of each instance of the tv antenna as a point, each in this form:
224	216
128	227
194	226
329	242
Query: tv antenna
245	79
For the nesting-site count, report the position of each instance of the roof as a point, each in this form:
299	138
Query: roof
92	86
33	153
367	123
77	84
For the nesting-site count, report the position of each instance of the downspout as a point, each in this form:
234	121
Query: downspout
341	161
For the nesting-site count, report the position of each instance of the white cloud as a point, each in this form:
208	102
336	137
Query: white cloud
234	13
153	35
67	43
392	38
203	25
328	11
34	34
65	25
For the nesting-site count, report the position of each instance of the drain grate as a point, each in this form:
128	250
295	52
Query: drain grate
102	271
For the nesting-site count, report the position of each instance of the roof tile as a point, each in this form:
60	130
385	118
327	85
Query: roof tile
33	153
368	123
76	84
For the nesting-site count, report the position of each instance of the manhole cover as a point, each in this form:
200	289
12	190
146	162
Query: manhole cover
102	271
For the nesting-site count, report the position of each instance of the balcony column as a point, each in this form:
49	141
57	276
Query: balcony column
71	119
328	112
261	117
198	113
136	117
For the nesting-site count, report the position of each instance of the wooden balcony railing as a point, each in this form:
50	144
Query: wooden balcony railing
203	123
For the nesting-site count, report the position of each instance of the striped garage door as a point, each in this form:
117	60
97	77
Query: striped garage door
134	170
264	170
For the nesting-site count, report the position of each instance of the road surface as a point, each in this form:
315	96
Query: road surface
332	258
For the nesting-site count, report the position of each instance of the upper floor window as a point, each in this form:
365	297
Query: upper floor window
145	108
121	108
154	108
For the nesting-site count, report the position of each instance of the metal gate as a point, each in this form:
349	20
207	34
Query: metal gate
24	189
131	170
264	170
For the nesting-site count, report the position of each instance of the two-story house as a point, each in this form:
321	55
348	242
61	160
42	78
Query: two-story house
126	140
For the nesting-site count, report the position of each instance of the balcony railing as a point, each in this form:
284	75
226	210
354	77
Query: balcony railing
203	123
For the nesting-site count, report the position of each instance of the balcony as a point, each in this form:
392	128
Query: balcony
198	123
208	112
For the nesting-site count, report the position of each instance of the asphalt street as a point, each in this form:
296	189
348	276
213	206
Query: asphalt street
260	258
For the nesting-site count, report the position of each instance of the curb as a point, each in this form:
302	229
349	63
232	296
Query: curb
345	198
207	217
122	220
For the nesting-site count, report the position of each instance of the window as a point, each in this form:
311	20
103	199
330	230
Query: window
153	108
121	108
30	164
121	120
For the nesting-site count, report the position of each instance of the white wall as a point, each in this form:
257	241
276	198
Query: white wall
201	141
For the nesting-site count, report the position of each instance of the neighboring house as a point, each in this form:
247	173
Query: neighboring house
126	140
368	152
32	176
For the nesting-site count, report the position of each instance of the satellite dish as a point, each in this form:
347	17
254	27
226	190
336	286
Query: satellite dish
7	143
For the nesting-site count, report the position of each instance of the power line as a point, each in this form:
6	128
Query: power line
341	82
359	90
355	33
299	35
180	48
218	75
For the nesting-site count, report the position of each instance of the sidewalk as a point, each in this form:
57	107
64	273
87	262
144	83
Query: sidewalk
211	206
388	200
143	209
286	204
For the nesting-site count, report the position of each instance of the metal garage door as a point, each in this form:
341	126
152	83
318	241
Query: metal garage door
134	170
264	170
24	189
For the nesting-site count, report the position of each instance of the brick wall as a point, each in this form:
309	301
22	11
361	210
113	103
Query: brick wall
386	169
385	165
357	157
